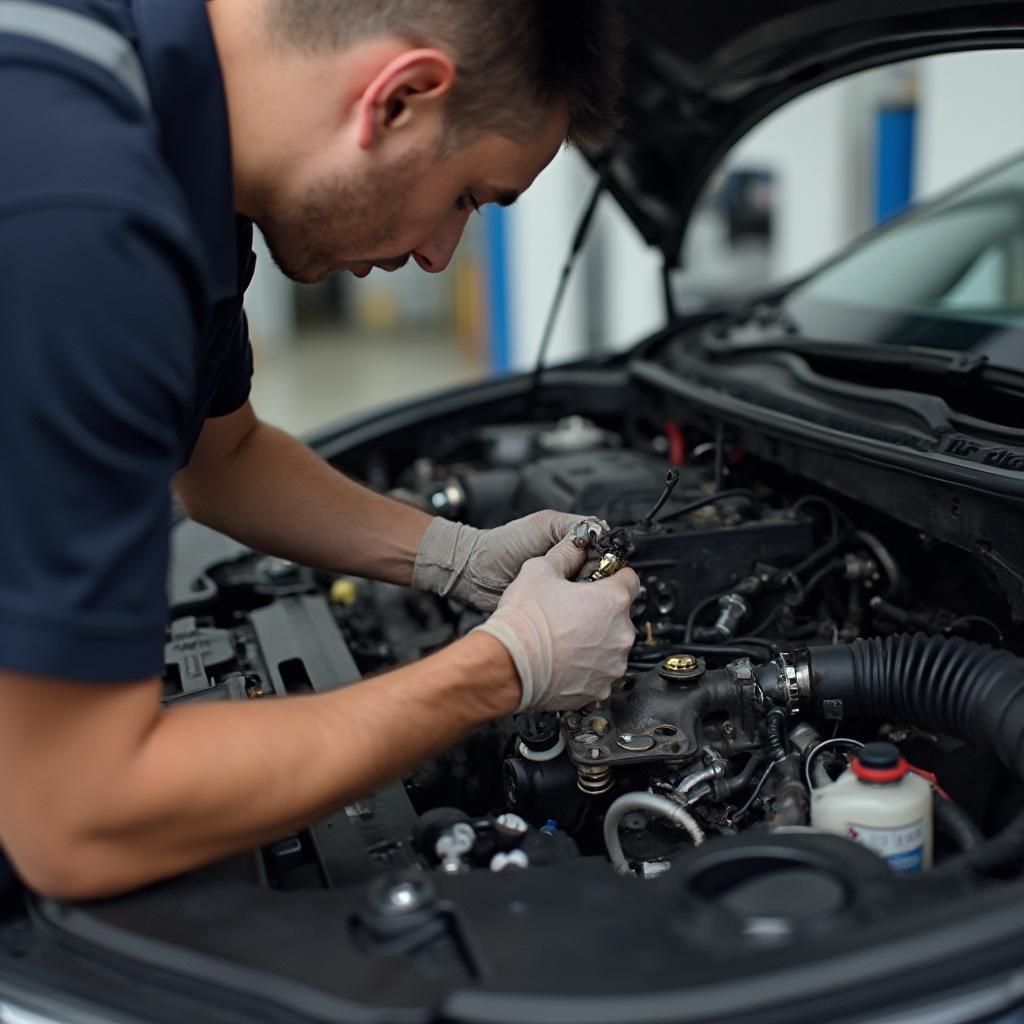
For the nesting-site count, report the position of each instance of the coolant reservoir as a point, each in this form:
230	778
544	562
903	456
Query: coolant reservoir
879	803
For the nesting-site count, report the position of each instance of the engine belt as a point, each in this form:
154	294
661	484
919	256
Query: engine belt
81	36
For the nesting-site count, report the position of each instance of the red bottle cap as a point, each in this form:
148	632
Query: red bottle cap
879	762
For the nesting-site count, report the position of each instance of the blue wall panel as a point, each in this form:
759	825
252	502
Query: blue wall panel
894	161
498	309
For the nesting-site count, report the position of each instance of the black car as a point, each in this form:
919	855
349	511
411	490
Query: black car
822	492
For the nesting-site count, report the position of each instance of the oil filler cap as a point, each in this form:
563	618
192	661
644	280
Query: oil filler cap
879	762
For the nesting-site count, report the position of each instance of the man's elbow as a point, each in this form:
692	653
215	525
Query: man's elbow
189	494
74	871
69	822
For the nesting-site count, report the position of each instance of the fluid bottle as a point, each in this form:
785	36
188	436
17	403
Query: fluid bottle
879	803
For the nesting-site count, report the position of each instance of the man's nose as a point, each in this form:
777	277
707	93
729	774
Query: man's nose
436	252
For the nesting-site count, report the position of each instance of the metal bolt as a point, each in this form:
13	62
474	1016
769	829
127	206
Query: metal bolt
728	729
513	823
588	532
680	663
596	753
452	845
404	896
610	564
636	744
512	859
277	568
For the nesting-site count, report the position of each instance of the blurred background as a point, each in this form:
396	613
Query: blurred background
800	186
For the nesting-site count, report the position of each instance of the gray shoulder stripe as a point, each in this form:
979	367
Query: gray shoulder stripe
81	36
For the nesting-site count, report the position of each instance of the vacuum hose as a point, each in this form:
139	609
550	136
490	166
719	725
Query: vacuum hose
943	685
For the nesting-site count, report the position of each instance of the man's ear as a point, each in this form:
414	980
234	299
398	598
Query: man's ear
414	83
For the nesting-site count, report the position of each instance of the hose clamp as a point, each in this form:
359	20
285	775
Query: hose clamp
794	678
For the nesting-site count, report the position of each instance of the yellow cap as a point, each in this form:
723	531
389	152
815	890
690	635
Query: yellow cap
344	591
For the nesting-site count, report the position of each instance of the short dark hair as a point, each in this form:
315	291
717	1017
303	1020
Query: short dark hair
514	57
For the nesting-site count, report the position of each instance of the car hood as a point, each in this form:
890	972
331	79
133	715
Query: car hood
699	77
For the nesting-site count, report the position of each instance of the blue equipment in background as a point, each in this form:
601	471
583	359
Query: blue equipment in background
499	330
894	160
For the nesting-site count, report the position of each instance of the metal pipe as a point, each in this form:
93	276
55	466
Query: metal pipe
715	770
652	804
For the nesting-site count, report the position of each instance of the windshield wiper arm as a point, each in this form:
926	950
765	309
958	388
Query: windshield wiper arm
956	367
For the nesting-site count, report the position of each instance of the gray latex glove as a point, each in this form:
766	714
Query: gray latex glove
569	641
475	566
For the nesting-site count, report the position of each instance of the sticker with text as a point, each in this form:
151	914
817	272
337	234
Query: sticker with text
902	847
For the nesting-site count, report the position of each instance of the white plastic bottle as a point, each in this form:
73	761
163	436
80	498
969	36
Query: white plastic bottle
879	803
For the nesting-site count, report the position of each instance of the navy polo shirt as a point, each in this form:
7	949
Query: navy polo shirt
122	269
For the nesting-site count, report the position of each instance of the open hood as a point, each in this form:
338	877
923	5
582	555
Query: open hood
699	77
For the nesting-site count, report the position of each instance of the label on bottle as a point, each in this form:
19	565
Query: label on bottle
902	847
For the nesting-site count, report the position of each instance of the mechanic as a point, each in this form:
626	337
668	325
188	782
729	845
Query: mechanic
139	147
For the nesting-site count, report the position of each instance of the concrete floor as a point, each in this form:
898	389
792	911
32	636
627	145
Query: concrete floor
327	375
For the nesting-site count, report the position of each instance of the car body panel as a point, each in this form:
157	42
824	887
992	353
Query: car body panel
699	77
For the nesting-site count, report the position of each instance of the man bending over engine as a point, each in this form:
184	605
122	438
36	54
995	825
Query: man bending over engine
142	140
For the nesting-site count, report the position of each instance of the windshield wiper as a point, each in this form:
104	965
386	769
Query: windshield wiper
957	369
977	394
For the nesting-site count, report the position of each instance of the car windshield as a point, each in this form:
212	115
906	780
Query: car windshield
949	277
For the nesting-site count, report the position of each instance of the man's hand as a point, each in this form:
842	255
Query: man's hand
475	566
569	641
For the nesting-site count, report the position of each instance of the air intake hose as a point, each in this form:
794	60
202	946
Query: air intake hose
943	685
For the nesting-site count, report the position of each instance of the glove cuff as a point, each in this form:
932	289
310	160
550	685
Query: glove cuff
507	636
442	557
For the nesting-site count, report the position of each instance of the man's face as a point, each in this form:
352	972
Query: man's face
409	204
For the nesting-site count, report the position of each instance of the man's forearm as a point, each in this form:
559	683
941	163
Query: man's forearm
211	780
275	495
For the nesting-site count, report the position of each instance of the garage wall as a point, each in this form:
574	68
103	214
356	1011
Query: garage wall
631	303
270	301
539	229
971	115
818	148
821	151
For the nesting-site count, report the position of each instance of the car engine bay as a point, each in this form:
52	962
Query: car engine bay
726	723
800	610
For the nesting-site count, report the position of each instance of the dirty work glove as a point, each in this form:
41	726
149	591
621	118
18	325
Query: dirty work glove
569	641
475	566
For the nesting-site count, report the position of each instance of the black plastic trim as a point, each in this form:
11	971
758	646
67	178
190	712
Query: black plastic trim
936	466
784	997
223	977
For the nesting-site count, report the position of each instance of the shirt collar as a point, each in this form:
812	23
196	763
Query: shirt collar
177	51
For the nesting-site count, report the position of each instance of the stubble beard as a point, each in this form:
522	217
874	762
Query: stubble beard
339	220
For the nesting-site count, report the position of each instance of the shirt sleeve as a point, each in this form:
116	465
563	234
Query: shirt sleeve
235	381
97	352
236	377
